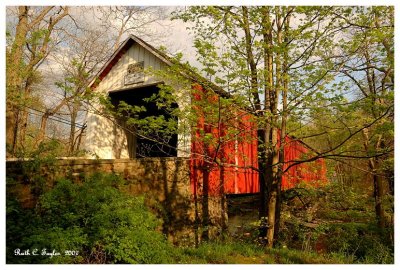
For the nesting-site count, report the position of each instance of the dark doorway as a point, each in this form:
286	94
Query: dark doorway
141	143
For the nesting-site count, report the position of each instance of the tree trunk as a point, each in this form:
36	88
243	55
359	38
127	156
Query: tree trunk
14	81
265	170
12	129
23	125
284	116
275	187
262	176
74	114
79	138
23	119
20	71
250	60
272	200
42	130
373	162
377	181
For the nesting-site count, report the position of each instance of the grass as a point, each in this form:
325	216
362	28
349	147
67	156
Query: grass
291	256
350	215
222	253
346	234
246	253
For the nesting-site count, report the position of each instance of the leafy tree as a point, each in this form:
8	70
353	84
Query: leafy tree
286	64
371	70
41	38
28	45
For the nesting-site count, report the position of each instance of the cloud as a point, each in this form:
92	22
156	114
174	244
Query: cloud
177	38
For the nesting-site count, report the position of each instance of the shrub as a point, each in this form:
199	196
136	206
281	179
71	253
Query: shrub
364	242
95	219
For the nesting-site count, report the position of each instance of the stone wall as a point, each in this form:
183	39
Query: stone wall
164	182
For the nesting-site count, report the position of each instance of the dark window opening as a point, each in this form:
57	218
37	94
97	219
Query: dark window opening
142	144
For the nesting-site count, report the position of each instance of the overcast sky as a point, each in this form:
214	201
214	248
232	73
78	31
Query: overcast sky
178	38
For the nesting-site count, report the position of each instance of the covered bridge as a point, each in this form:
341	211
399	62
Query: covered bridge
217	166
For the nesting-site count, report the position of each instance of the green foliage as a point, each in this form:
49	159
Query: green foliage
293	256
105	225
220	252
362	241
93	218
343	225
355	242
33	161
233	252
19	221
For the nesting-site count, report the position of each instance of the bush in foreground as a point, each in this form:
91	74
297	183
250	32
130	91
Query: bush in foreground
91	222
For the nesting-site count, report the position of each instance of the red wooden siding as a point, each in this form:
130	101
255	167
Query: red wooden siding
236	153
307	174
229	166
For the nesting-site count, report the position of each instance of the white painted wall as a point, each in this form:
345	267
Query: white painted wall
104	139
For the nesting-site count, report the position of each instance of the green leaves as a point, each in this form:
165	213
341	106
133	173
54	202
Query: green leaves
96	219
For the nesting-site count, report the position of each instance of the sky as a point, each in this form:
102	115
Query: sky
179	39
174	36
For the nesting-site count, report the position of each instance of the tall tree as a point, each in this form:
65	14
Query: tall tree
32	42
87	51
371	71
256	42
253	51
87	34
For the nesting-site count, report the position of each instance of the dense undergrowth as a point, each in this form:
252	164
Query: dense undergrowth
345	223
95	222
